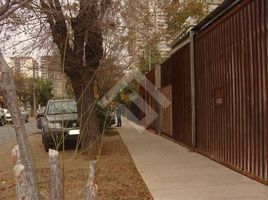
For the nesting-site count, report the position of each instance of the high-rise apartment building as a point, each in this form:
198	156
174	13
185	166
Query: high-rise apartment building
147	19
159	26
137	32
44	67
25	66
51	69
146	22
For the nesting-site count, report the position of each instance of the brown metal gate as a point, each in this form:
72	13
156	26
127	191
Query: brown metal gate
152	108
181	96
166	113
166	90
148	107
231	89
176	86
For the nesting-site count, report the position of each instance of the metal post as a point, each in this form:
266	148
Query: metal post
192	60
158	105
150	54
34	91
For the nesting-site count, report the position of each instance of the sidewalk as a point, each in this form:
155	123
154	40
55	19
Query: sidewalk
171	172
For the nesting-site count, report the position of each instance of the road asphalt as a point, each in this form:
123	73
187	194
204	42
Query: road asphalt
7	132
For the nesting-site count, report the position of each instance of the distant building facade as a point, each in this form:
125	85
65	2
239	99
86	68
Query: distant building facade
213	4
44	67
51	69
155	22
159	25
25	66
146	21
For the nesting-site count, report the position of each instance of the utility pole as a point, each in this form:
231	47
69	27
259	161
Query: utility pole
150	57
34	91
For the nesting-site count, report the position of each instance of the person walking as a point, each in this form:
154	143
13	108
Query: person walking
118	113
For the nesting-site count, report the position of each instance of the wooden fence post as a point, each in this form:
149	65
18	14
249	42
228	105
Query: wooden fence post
56	191
22	188
90	187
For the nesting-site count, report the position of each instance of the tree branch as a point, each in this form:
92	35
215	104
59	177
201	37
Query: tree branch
57	23
5	8
11	10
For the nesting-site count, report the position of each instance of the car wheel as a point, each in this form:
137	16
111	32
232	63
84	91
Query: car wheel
46	143
42	138
2	123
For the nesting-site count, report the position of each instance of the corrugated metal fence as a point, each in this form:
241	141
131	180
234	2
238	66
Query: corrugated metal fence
231	86
166	89
181	96
231	91
149	107
176	86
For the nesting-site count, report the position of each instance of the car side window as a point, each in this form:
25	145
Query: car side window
45	109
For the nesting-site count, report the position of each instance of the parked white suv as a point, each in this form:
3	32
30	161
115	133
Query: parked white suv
8	118
24	115
2	117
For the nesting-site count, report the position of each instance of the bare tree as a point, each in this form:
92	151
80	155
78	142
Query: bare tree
78	36
8	88
9	7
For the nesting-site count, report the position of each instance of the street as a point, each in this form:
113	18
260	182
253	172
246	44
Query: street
7	132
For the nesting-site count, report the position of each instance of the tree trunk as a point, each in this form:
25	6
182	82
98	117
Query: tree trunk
86	102
10	97
22	187
81	59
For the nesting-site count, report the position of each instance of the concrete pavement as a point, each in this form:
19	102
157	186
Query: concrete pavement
172	172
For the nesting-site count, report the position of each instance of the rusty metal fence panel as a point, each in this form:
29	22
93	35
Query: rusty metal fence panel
176	75
141	105
231	89
181	96
152	108
166	72
148	107
166	113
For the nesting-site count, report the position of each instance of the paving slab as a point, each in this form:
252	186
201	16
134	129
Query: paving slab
172	172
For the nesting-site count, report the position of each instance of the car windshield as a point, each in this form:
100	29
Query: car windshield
62	107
